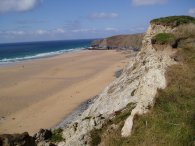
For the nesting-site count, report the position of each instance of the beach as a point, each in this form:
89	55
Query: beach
40	93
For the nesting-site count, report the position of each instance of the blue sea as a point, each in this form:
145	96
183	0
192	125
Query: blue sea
15	52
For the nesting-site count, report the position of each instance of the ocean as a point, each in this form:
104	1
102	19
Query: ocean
14	52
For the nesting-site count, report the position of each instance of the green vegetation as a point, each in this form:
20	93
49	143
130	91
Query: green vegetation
57	135
164	38
172	121
120	116
96	137
173	21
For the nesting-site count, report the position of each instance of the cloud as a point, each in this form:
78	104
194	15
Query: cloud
148	2
84	30
41	32
38	32
18	33
103	15
59	30
48	32
17	5
192	11
111	29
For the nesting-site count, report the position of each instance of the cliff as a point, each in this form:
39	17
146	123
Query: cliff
133	93
133	41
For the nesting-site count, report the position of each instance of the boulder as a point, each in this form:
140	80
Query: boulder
17	140
42	135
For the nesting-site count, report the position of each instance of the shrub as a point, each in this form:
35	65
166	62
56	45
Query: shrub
95	137
173	21
57	135
164	38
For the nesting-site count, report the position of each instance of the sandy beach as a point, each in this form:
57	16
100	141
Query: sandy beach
40	93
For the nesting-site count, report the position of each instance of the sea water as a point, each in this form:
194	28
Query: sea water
14	52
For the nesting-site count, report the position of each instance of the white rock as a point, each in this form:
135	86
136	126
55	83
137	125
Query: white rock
144	74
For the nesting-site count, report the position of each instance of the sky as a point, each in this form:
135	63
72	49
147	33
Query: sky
43	20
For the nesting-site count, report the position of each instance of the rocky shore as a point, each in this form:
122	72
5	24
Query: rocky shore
76	113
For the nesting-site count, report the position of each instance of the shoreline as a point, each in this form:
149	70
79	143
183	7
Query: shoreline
76	113
89	72
2	64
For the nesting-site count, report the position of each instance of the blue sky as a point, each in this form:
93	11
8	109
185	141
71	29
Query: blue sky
41	20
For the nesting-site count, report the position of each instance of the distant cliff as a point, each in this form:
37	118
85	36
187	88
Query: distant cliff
133	41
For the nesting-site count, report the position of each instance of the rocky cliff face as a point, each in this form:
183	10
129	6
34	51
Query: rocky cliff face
137	86
133	41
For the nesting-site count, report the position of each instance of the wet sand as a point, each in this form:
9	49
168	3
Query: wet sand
40	93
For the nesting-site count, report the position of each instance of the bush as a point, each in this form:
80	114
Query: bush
164	38
173	21
57	135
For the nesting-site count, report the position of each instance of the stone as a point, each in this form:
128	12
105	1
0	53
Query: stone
17	140
42	135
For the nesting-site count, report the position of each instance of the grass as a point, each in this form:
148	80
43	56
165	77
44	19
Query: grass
172	120
164	38
173	21
120	116
57	135
185	31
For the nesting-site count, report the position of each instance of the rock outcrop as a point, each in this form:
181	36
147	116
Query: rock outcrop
43	135
125	42
17	140
138	84
42	138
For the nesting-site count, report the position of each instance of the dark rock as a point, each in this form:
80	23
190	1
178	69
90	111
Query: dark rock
118	73
17	140
51	144
43	134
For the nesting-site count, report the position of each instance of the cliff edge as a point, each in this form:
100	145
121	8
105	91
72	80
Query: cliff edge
133	93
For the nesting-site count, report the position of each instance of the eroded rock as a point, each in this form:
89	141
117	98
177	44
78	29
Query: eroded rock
42	135
138	84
